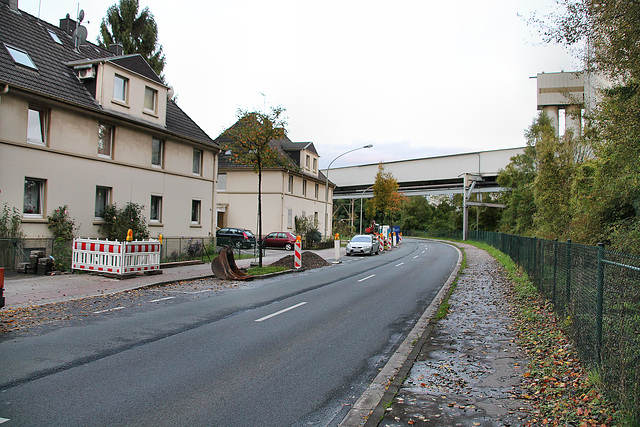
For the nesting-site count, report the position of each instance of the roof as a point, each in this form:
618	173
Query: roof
55	77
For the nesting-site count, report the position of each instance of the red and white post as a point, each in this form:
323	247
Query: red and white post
381	242
297	253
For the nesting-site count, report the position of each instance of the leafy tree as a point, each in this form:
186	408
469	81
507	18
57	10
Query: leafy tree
387	201
249	142
307	229
136	33
63	228
417	214
117	222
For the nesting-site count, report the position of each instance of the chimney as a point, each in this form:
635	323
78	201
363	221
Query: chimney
67	25
116	49
13	4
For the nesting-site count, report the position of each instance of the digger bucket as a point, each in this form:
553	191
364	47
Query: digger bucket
225	268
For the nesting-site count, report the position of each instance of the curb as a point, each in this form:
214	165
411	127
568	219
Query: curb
370	407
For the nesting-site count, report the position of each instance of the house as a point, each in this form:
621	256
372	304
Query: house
86	127
296	190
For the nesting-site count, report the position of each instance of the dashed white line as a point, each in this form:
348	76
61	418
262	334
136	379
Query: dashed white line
161	299
368	277
108	310
415	257
3	420
280	312
398	265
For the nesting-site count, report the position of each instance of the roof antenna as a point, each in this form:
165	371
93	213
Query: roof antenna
80	33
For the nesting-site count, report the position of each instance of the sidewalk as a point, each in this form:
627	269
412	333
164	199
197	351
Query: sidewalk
21	291
469	370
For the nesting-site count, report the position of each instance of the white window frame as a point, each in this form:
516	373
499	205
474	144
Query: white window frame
304	187
39	193
317	187
152	94
315	166
37	125
21	57
158	208
197	161
290	184
289	218
196	212
160	155
222	182
123	95
107	201
109	143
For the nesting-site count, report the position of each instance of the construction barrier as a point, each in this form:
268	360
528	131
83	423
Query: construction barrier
297	253
117	258
381	242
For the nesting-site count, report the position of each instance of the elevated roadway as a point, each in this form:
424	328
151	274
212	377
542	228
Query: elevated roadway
426	176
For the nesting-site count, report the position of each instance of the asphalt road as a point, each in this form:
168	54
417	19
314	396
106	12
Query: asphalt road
292	350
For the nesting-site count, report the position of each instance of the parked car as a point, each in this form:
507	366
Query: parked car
279	240
363	244
237	237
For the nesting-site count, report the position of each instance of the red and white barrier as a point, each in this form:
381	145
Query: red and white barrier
381	242
297	254
118	258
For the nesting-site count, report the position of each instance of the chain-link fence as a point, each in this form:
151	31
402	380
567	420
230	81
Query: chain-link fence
596	292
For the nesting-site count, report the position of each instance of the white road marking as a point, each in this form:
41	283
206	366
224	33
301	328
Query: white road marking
111	309
398	265
368	277
415	257
3	420
161	299
280	312
197	292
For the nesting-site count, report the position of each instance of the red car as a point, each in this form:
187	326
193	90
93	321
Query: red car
279	240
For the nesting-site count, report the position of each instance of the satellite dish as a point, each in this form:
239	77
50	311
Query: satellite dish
80	36
81	15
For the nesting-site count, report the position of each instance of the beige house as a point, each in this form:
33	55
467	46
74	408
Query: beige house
85	127
287	192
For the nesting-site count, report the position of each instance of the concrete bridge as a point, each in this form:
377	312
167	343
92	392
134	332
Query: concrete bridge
426	176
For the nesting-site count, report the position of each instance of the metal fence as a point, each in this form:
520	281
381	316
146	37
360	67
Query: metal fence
596	292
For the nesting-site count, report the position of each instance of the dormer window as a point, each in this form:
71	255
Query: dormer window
120	88
150	100
21	57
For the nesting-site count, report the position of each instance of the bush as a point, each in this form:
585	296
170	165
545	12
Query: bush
10	223
63	228
118	221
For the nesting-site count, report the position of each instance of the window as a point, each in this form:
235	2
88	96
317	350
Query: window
316	191
289	218
33	197
156	209
304	187
197	162
37	125
121	88
157	152
105	140
21	57
195	212
55	37
315	165
103	198
308	162
290	189
150	99
222	182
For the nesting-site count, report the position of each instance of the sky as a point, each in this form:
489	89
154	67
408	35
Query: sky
415	78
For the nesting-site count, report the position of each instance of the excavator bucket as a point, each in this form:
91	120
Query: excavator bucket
225	268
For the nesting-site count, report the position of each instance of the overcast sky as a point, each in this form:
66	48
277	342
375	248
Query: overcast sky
415	78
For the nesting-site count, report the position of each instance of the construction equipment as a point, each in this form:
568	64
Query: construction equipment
225	268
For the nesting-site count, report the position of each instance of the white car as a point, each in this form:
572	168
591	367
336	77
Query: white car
363	244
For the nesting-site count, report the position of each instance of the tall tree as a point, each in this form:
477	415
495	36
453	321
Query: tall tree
136	33
249	143
387	201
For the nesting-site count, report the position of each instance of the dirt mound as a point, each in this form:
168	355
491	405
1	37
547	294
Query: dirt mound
309	260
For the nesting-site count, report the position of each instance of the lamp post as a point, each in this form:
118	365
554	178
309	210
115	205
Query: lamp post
362	200
326	186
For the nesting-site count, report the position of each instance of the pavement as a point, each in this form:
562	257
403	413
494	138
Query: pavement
464	370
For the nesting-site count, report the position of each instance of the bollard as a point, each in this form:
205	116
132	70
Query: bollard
336	245
1	287
381	242
297	253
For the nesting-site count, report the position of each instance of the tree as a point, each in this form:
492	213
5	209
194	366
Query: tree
249	143
117	222
136	33
387	201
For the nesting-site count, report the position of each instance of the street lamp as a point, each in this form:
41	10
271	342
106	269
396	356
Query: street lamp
362	200
326	187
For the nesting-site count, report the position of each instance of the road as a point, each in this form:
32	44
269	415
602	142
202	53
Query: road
292	350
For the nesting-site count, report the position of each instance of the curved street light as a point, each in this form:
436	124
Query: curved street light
326	186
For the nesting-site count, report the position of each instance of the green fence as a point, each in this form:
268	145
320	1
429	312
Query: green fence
596	292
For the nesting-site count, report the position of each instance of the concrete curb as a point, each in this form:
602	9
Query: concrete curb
369	408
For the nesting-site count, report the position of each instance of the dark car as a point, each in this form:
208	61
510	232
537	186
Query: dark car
279	240
236	237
